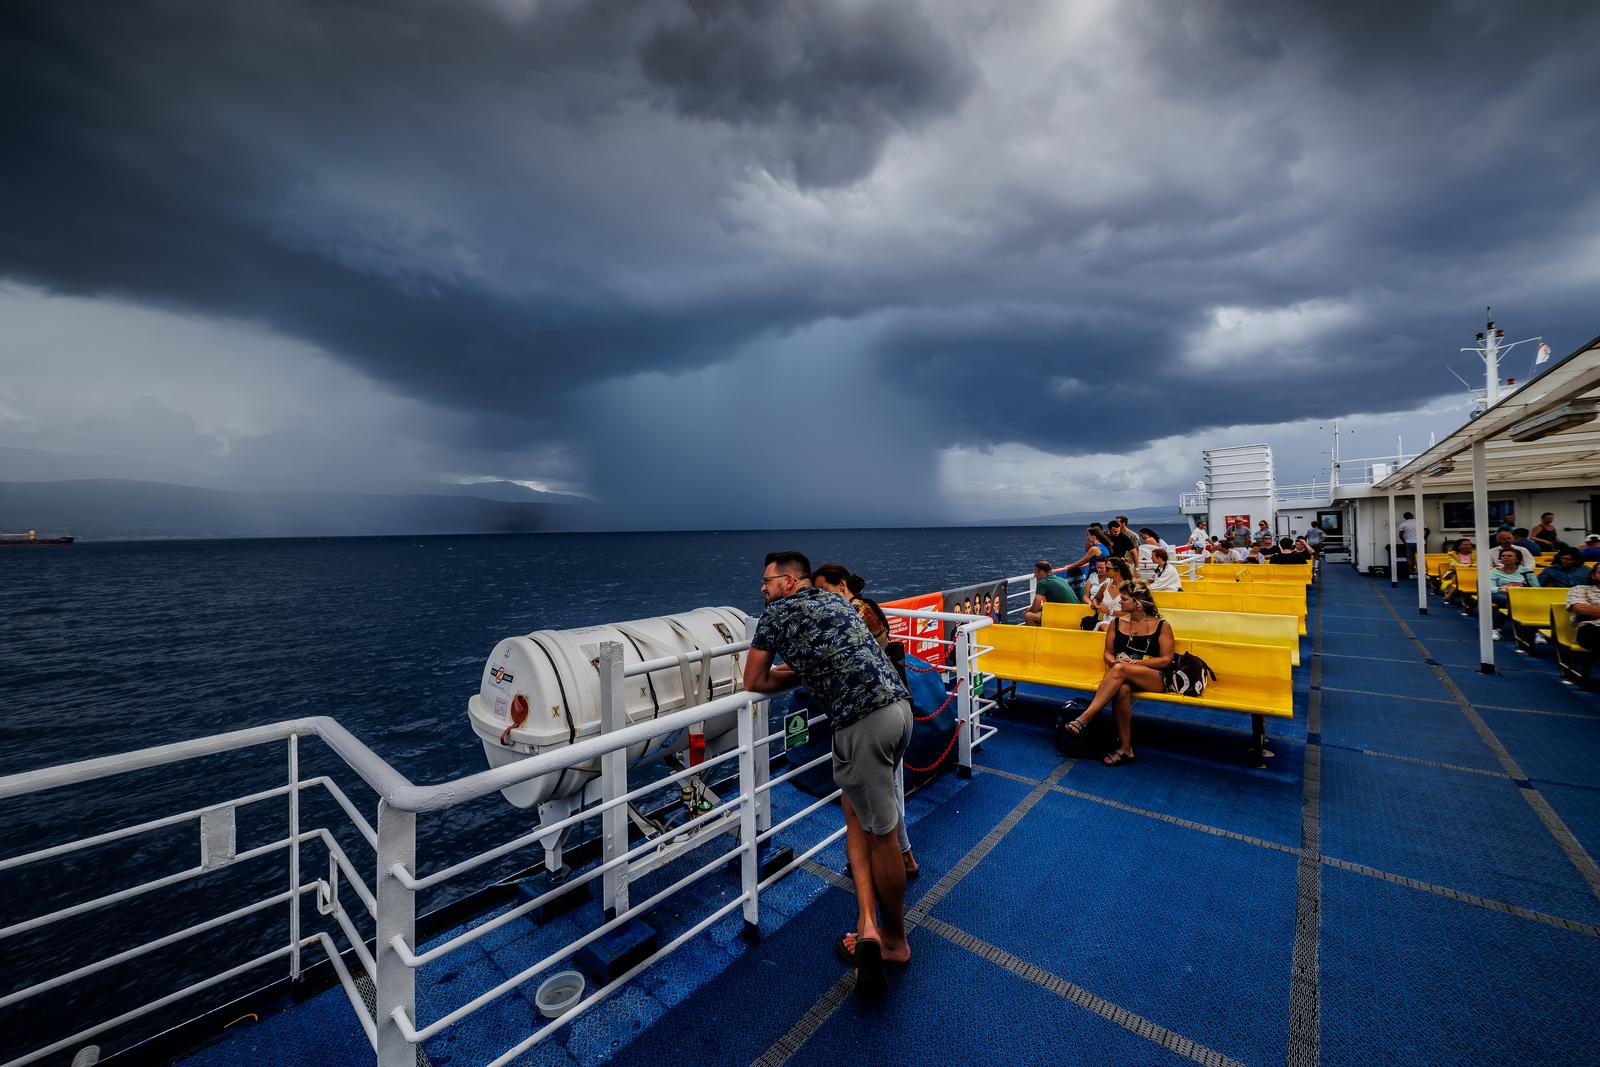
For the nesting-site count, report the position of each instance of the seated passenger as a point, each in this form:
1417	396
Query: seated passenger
1292	552
1165	576
1109	602
1095	546
1567	571
1583	604
1591	549
1510	574
1463	555
1138	648
1048	589
1504	539
1521	539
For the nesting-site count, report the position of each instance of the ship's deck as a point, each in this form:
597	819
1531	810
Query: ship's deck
1411	881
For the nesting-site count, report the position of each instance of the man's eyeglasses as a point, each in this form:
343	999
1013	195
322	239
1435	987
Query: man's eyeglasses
765	578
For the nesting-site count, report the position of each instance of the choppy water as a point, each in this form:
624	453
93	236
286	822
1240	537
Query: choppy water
112	647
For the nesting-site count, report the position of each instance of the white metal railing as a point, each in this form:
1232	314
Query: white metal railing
389	903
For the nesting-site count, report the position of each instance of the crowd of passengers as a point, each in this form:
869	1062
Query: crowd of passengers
1117	577
1515	560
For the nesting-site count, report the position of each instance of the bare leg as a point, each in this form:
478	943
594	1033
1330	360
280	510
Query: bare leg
1114	679
1122	709
889	880
857	848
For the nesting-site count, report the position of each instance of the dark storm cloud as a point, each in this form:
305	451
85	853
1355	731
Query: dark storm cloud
832	80
978	224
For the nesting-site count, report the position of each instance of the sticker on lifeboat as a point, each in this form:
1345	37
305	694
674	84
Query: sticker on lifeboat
501	676
502	708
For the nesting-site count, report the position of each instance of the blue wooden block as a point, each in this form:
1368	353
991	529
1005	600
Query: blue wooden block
605	958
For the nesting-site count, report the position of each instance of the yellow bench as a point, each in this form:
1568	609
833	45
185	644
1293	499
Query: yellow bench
1464	580
1247	601
1232	627
1252	679
1530	612
1293	590
1572	659
1258	572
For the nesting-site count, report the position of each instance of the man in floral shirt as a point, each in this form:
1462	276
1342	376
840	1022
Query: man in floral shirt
825	646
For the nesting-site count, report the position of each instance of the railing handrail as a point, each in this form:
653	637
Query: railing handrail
392	787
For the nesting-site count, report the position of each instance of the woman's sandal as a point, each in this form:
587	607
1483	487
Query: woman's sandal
1077	726
1117	758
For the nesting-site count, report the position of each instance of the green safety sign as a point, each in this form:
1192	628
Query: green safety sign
796	731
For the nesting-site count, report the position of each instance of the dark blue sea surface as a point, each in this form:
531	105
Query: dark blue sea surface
118	646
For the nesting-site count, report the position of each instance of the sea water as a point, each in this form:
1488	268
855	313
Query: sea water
113	647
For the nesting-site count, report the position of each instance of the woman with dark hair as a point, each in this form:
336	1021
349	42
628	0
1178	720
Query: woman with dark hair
1567	571
1095	547
836	578
1138	648
1109	601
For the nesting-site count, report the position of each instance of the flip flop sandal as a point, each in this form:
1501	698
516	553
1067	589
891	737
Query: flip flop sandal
1077	726
1117	758
872	980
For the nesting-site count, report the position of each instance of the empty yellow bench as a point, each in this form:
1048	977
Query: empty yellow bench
1293	590
1247	601
1254	679
1232	627
1530	610
1258	572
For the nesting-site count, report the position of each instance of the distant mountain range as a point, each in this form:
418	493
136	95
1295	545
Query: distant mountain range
115	509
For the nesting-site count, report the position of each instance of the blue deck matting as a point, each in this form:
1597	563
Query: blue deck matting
1079	914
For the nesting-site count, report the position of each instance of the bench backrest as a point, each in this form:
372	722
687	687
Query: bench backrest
1258	572
1293	590
1563	630
1247	601
1064	616
1531	607
1076	657
1236	627
1433	563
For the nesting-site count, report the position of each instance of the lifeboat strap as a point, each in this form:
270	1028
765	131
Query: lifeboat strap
566	705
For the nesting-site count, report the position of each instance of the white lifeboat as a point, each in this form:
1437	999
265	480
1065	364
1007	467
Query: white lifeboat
542	691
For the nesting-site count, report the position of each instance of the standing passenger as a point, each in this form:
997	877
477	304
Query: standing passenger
825	645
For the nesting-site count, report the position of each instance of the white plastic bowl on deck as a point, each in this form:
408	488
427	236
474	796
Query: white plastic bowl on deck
558	993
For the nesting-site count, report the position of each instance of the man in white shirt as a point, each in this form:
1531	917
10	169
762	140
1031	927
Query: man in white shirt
1406	529
1505	539
1198	538
1583	604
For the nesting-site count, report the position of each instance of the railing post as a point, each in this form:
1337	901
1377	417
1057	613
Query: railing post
397	913
964	700
749	861
761	711
613	780
294	857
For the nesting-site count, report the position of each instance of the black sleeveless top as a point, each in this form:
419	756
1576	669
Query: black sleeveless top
1133	646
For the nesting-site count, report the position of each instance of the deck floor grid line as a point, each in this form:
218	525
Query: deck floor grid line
1305	965
782	1050
1174	820
1558	829
1424	762
1573	925
1131	1021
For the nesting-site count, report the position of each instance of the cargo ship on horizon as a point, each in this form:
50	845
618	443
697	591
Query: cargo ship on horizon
31	539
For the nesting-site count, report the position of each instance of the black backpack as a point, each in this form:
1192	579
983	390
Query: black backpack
1188	675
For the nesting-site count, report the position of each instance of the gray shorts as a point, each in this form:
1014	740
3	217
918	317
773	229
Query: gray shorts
865	754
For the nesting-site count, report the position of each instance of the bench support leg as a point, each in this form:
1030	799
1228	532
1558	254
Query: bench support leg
1258	740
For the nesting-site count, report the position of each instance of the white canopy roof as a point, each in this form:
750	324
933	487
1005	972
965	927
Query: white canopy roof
1566	456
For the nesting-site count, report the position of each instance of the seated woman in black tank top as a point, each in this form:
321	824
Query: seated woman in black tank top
1138	648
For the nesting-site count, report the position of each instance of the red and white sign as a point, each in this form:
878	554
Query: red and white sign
1230	521
920	636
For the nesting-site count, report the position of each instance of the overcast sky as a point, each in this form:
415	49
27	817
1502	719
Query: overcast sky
730	264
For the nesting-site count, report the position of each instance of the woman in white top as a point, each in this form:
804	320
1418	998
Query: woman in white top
1166	576
1096	578
1109	600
